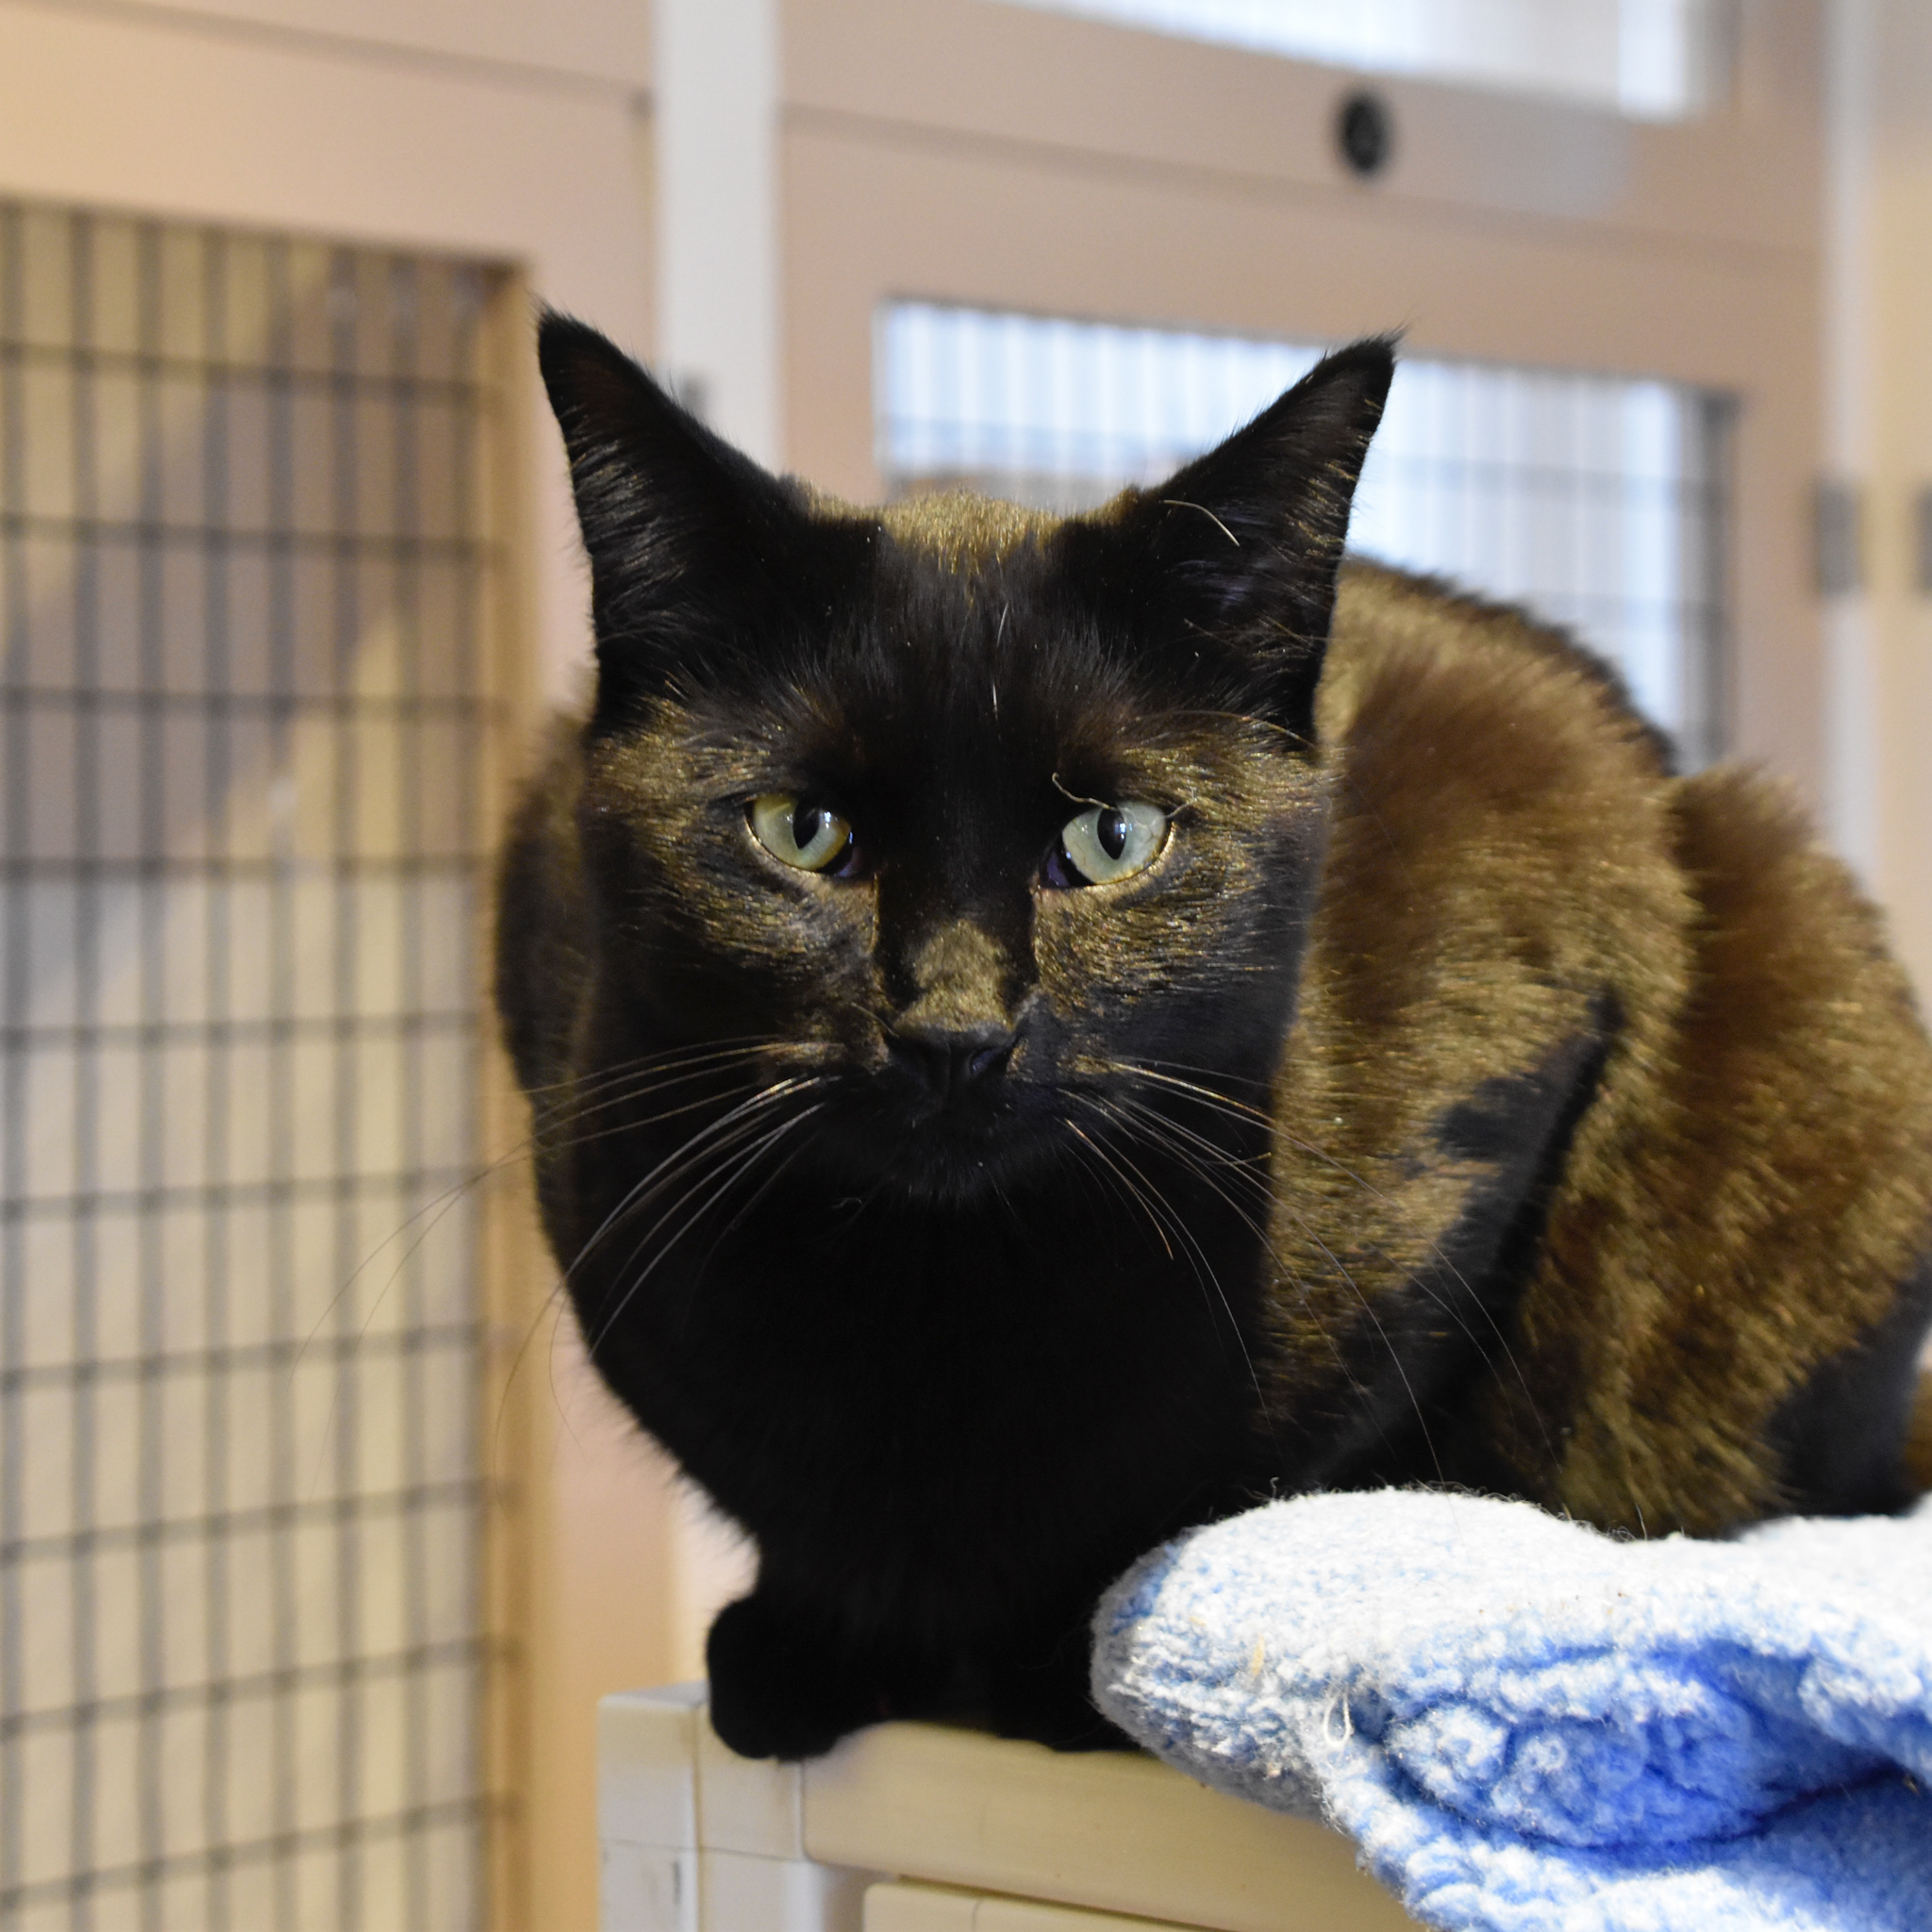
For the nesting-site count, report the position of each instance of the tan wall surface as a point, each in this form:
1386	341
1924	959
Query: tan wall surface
1880	392
607	42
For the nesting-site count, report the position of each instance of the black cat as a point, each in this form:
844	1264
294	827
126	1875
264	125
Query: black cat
1043	1032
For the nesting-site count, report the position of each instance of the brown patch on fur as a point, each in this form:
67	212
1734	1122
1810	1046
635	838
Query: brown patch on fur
1497	858
1750	1183
1776	1195
1746	1200
962	531
963	979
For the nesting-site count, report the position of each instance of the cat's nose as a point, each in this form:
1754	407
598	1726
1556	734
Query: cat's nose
948	1060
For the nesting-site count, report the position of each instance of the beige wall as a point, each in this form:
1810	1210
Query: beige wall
1879	426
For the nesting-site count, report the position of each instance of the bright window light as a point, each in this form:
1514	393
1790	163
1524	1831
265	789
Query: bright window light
1653	59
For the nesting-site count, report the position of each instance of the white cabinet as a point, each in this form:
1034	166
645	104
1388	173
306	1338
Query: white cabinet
913	1827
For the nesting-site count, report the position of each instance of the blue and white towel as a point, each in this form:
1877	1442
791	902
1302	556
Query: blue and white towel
1525	1725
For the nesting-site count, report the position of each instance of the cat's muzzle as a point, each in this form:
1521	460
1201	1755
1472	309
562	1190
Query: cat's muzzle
951	1062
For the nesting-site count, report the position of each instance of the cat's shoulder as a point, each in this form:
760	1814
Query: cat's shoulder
1413	658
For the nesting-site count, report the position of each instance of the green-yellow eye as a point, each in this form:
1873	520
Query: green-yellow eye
800	833
1107	842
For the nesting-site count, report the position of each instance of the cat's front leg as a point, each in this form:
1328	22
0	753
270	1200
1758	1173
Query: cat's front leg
786	1683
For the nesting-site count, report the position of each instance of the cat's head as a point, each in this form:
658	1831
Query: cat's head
982	821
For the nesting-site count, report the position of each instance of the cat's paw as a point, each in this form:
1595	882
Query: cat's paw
777	1689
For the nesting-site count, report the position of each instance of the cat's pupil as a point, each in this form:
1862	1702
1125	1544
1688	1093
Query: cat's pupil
805	822
1112	831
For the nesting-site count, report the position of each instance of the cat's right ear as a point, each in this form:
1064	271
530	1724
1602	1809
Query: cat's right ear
1230	566
701	561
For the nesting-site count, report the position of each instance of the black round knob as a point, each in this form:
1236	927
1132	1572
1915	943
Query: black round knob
1365	133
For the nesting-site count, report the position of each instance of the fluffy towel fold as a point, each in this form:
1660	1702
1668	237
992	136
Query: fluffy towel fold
1525	1723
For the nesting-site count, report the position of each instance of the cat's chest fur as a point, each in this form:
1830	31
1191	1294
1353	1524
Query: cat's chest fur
942	1409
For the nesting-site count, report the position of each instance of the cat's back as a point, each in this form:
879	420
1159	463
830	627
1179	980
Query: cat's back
1412	654
1728	1260
1499	874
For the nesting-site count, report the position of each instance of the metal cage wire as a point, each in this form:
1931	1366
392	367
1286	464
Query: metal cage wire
244	577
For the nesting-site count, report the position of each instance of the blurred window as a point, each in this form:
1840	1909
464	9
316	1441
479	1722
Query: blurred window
1596	501
1654	59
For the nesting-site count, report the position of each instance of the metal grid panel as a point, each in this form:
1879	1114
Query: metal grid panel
1597	501
243	573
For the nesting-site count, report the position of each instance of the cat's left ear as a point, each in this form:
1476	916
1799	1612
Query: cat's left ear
1234	558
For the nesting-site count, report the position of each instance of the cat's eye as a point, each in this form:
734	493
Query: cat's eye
804	834
1106	843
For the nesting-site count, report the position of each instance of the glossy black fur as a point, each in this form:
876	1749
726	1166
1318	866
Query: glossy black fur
1837	1435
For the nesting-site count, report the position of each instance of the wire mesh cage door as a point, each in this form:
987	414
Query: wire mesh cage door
246	732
